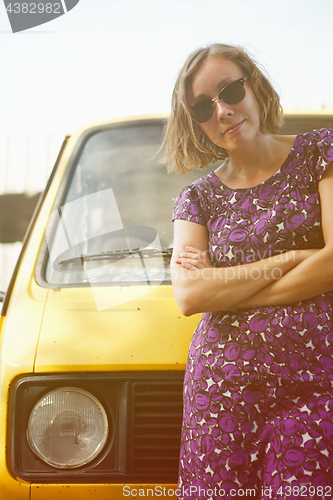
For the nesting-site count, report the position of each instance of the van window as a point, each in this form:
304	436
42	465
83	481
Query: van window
115	224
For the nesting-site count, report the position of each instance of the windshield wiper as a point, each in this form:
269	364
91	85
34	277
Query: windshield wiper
114	255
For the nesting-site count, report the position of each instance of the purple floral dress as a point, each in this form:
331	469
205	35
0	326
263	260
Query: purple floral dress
258	390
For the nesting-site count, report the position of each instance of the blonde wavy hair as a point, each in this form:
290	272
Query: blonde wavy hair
185	146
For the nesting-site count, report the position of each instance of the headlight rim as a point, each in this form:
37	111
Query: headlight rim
99	453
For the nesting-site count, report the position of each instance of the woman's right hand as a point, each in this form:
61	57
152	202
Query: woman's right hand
193	258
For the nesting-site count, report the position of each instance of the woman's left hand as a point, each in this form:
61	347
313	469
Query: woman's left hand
193	258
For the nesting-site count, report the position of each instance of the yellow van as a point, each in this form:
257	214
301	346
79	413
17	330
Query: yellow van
92	344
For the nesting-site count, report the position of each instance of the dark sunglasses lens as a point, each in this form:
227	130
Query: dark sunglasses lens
234	93
202	111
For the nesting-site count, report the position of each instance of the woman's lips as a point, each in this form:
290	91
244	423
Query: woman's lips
233	128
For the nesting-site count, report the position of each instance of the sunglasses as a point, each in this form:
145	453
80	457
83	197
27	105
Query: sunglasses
231	94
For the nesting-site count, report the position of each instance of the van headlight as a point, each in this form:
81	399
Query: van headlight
67	428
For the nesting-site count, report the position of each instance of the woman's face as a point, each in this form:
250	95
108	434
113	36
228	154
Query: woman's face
232	126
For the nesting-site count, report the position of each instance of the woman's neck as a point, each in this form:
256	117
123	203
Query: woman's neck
256	162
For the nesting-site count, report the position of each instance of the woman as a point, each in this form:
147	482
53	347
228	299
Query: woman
252	251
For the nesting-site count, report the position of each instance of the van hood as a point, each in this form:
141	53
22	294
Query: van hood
147	333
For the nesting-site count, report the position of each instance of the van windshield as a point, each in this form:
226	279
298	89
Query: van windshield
115	223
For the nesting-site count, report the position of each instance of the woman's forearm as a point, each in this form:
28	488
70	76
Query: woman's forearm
309	278
215	289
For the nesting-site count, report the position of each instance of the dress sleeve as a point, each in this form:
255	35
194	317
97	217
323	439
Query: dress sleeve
189	205
324	156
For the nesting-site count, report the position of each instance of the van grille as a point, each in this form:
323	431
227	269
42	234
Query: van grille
157	415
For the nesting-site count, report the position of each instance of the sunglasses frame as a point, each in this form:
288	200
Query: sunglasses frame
219	97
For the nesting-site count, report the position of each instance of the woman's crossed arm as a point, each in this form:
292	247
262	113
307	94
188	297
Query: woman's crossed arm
198	287
283	279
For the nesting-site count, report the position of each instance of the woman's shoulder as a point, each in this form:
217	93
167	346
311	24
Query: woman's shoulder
315	137
314	151
194	201
202	186
316	143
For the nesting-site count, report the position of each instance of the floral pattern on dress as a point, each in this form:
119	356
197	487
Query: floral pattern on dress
258	388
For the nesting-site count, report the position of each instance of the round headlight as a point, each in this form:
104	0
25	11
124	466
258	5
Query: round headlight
67	428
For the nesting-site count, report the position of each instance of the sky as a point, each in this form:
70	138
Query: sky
118	58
